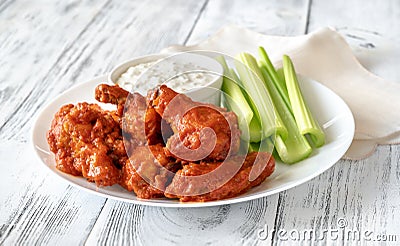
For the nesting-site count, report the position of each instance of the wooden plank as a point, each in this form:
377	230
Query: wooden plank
45	210
115	32
33	37
363	194
238	224
119	223
382	18
37	207
272	18
268	17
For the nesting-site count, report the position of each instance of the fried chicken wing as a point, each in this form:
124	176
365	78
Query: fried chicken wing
112	94
207	181
87	142
140	123
201	131
148	171
198	162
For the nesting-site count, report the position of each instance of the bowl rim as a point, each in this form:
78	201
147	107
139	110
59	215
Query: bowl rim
122	67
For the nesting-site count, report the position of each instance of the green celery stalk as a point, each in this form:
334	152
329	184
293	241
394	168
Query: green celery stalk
264	146
255	130
290	151
273	75
281	77
254	147
237	102
304	119
295	147
251	78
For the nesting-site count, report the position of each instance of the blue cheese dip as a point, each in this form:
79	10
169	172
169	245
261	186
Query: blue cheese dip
181	77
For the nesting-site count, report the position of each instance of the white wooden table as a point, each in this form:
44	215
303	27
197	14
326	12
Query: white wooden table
48	46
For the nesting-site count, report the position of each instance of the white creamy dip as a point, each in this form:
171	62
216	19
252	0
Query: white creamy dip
178	76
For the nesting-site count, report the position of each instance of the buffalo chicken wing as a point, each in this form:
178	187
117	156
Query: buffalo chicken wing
201	131
165	145
87	141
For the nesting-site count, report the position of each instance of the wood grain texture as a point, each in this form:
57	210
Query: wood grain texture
269	17
37	207
110	34
85	39
142	225
34	37
381	18
358	192
237	224
50	46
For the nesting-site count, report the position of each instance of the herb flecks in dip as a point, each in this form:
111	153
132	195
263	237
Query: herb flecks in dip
181	77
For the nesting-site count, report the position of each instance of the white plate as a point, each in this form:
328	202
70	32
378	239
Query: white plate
328	108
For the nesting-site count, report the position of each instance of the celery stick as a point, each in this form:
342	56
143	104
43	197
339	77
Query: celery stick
236	99
255	125
255	130
273	75
264	146
234	75
295	147
291	150
304	119
237	102
253	147
264	110
281	77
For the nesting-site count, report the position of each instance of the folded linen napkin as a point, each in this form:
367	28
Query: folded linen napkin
325	56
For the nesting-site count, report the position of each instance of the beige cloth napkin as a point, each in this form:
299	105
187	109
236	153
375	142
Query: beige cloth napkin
325	56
